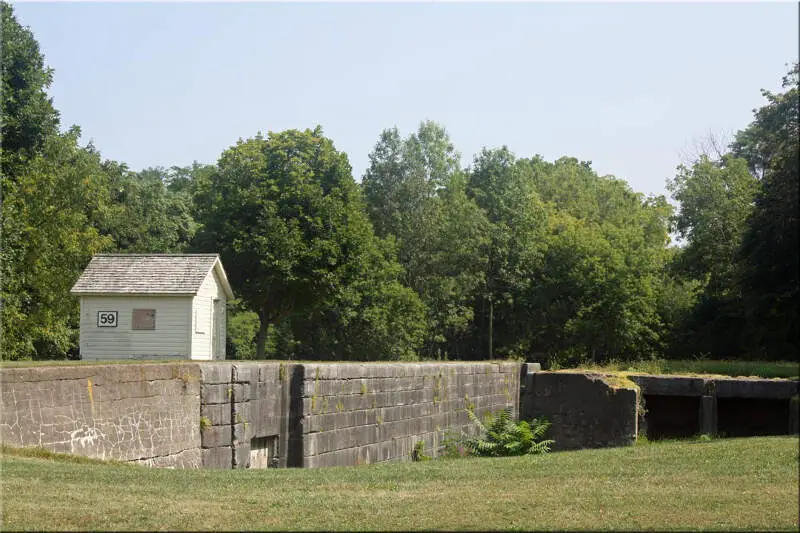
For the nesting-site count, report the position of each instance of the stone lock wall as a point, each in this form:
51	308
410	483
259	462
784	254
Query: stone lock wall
261	414
585	410
591	410
249	414
372	412
143	413
240	402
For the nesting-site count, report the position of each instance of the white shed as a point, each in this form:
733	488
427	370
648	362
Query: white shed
154	306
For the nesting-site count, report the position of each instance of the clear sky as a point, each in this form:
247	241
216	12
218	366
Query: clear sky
628	86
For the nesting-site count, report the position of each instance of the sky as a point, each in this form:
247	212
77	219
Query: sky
631	87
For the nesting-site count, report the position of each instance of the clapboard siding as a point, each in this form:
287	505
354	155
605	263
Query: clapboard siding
203	313
169	338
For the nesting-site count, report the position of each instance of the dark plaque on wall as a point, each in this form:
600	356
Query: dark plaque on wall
144	319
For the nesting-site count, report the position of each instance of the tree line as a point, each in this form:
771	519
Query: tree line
423	258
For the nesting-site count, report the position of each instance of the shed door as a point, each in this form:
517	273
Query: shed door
218	335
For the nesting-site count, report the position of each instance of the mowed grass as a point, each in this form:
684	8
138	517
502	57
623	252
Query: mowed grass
761	369
735	484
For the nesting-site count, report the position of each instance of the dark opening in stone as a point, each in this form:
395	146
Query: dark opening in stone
750	417
671	417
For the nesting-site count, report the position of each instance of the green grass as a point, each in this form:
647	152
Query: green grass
731	484
762	369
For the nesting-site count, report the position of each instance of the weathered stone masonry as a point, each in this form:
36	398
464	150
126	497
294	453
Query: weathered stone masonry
365	413
140	413
240	402
260	414
249	414
331	414
590	410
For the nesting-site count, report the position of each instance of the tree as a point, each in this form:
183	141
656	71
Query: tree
595	292
53	192
716	198
27	113
150	215
416	193
505	190
715	201
288	220
769	250
47	218
773	134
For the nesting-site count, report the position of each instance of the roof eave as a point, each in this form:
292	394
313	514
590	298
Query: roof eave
129	293
223	278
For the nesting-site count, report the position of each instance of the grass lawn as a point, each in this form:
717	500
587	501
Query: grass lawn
745	484
762	369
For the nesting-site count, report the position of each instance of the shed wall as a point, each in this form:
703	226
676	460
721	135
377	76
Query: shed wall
169	339
203	319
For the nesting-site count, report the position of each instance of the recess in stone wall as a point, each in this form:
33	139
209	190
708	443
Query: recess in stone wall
264	452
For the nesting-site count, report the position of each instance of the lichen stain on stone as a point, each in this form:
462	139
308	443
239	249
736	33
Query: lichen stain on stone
91	394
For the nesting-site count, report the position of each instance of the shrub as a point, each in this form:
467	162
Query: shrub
502	437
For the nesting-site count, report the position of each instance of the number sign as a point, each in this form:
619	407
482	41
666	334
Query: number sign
106	319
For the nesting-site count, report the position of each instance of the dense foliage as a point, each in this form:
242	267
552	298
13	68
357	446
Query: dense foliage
508	257
501	436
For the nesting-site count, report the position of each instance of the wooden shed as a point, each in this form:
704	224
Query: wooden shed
154	306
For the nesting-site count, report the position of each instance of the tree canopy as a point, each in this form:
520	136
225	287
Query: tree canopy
425	258
286	214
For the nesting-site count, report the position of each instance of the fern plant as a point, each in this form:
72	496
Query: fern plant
502	437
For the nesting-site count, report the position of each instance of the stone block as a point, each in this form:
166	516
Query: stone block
585	412
240	392
221	457
241	455
215	373
774	389
240	432
243	373
216	436
216	393
269	373
218	414
669	385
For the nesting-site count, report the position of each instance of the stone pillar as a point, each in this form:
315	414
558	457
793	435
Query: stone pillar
708	415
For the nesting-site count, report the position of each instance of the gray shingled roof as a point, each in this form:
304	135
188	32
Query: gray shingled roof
147	274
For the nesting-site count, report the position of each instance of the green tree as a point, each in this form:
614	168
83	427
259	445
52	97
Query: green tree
597	295
416	193
769	250
715	200
505	190
49	213
288	220
153	212
53	194
27	116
